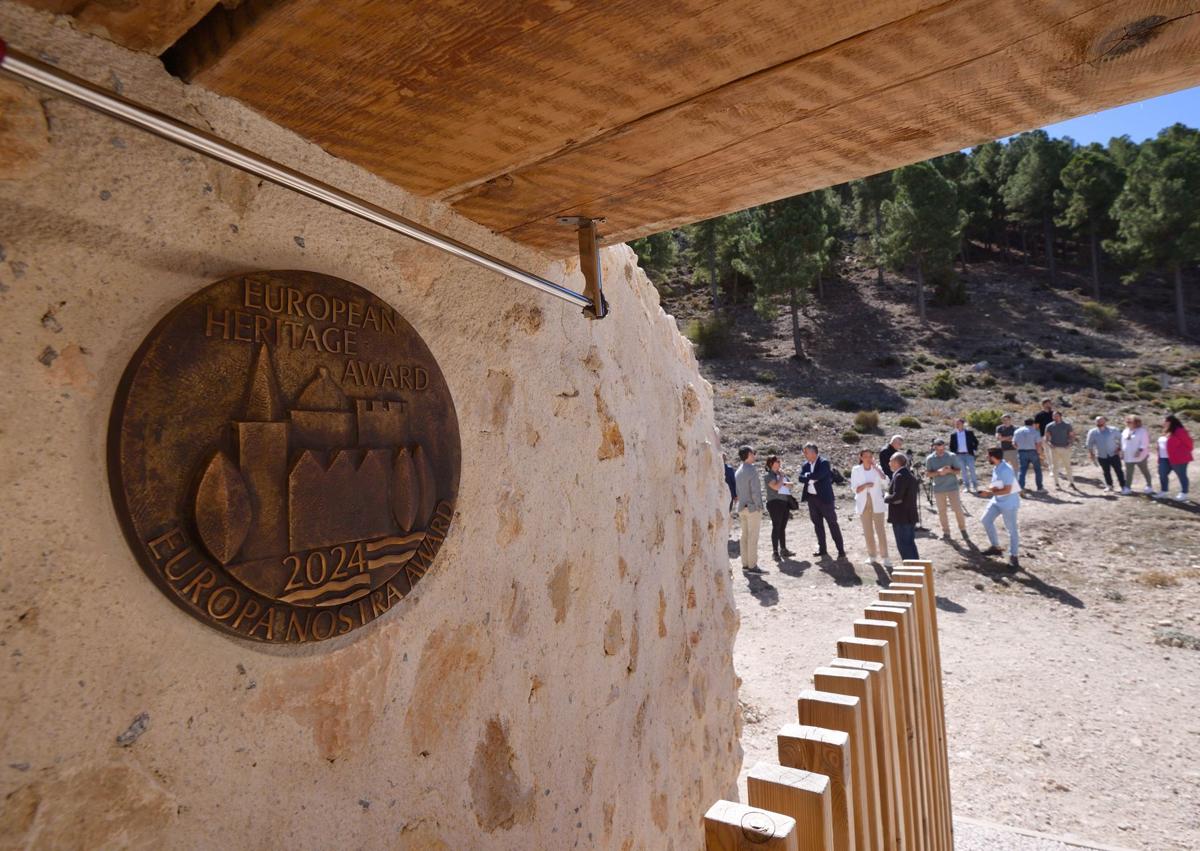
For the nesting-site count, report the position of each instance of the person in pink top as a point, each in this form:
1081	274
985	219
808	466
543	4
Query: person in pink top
1174	453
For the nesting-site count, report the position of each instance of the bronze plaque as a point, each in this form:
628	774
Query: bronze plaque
284	456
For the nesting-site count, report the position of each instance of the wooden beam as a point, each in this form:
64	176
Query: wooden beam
802	795
987	69
921	574
826	752
886	756
902	616
150	26
910	750
439	96
940	787
729	826
840	712
853	683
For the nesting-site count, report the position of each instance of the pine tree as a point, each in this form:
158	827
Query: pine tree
1013	152
985	177
705	243
1029	190
790	243
656	254
1158	218
922	224
869	195
1091	183
956	167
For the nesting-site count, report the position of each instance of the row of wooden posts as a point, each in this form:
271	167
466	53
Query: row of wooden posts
865	768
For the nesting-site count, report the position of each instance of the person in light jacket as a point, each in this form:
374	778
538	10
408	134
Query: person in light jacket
750	506
901	500
867	480
1135	449
1174	453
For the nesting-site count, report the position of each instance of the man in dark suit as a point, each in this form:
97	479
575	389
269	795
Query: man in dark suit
964	444
816	478
885	455
901	500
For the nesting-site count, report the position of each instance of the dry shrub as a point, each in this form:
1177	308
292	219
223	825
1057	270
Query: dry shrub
866	421
1158	579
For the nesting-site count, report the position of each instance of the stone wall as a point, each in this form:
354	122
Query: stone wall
564	677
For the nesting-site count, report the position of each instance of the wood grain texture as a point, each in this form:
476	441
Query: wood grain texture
147	25
826	752
520	112
915	592
922	573
910	671
885	752
957	75
729	826
441	95
840	712
802	795
854	683
935	744
874	629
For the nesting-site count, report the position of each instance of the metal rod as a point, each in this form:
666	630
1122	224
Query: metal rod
29	70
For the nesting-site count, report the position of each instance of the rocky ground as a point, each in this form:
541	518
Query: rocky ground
1072	686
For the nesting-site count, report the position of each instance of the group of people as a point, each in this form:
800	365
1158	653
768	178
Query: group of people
886	490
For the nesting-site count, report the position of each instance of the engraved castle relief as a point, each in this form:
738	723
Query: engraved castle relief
312	507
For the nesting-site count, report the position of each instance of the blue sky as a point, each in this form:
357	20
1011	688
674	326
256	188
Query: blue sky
1141	120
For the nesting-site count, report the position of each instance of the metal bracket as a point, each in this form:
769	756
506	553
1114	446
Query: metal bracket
31	71
589	263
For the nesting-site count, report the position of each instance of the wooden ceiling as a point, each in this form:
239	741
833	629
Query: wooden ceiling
655	114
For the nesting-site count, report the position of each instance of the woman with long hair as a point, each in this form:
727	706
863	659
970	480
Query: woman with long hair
1174	453
867	480
778	491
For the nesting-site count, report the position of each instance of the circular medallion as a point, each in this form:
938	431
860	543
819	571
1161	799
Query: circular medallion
284	456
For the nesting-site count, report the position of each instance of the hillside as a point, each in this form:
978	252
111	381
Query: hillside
1070	686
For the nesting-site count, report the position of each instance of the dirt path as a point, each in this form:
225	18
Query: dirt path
1063	714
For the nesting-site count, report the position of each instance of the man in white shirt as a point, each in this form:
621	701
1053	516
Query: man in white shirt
1004	503
1028	441
964	444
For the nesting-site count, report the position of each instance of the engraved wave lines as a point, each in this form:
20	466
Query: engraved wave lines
390	560
361	583
375	547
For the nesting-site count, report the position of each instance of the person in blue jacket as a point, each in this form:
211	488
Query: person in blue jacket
730	481
816	480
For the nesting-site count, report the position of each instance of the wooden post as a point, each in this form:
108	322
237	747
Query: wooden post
921	573
881	652
901	615
886	755
798	794
839	712
825	752
879	641
925	667
854	683
736	827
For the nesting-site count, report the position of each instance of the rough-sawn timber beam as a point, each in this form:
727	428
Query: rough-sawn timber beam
961	74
